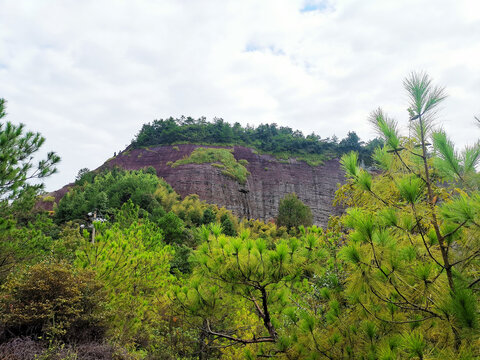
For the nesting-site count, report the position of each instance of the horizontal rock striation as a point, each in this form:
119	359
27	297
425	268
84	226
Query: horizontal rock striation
269	180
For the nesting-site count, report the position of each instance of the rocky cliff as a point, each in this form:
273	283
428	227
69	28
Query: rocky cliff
269	180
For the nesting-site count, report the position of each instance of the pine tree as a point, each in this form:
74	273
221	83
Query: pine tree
277	298
413	253
16	154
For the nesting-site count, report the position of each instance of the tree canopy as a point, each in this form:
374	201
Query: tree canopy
292	212
17	149
269	138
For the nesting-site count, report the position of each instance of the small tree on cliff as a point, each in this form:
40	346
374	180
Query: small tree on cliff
292	212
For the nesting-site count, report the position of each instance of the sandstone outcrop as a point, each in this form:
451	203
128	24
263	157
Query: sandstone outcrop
269	180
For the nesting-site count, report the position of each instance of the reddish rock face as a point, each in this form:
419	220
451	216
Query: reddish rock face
269	181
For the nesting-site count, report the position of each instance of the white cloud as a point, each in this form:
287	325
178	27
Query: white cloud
88	74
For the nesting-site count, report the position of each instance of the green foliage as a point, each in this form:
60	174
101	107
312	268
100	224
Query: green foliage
84	175
231	167
271	286
423	96
447	162
32	243
208	216
283	142
292	212
53	299
464	307
181	259
411	188
134	265
190	210
412	261
396	277
16	151
227	226
107	192
349	163
172	228
454	166
387	128
414	344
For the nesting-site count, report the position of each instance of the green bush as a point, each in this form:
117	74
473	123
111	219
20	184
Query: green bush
227	226
208	216
54	300
172	227
292	212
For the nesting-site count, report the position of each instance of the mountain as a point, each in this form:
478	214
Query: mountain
215	175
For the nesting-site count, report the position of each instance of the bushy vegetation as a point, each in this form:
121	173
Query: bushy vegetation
282	141
108	191
221	158
53	299
292	212
396	277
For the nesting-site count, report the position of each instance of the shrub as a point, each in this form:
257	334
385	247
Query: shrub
208	216
53	299
227	226
292	212
172	227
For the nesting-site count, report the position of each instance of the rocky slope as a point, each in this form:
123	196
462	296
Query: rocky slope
269	180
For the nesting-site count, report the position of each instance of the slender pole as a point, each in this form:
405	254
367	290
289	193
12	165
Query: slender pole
93	226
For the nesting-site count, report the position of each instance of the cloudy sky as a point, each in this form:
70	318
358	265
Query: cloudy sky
88	74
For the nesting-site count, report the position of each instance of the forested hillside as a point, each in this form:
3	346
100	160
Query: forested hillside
125	268
270	138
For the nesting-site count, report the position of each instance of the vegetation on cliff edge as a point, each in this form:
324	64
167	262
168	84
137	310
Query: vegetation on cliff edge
282	141
221	158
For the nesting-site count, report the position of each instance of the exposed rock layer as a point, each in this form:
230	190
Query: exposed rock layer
269	180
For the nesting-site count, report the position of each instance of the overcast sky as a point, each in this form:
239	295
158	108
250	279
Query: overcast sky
88	74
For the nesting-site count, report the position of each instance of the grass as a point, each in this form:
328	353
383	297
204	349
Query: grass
220	158
310	159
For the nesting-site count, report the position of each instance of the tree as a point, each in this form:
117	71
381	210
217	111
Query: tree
134	263
412	250
108	191
84	175
272	297
208	216
172	228
351	142
227	226
16	155
292	212
17	196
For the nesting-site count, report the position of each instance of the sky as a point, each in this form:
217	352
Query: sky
87	74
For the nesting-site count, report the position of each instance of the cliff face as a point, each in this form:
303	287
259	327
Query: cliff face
269	180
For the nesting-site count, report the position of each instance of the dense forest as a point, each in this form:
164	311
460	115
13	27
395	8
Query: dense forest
124	268
268	138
